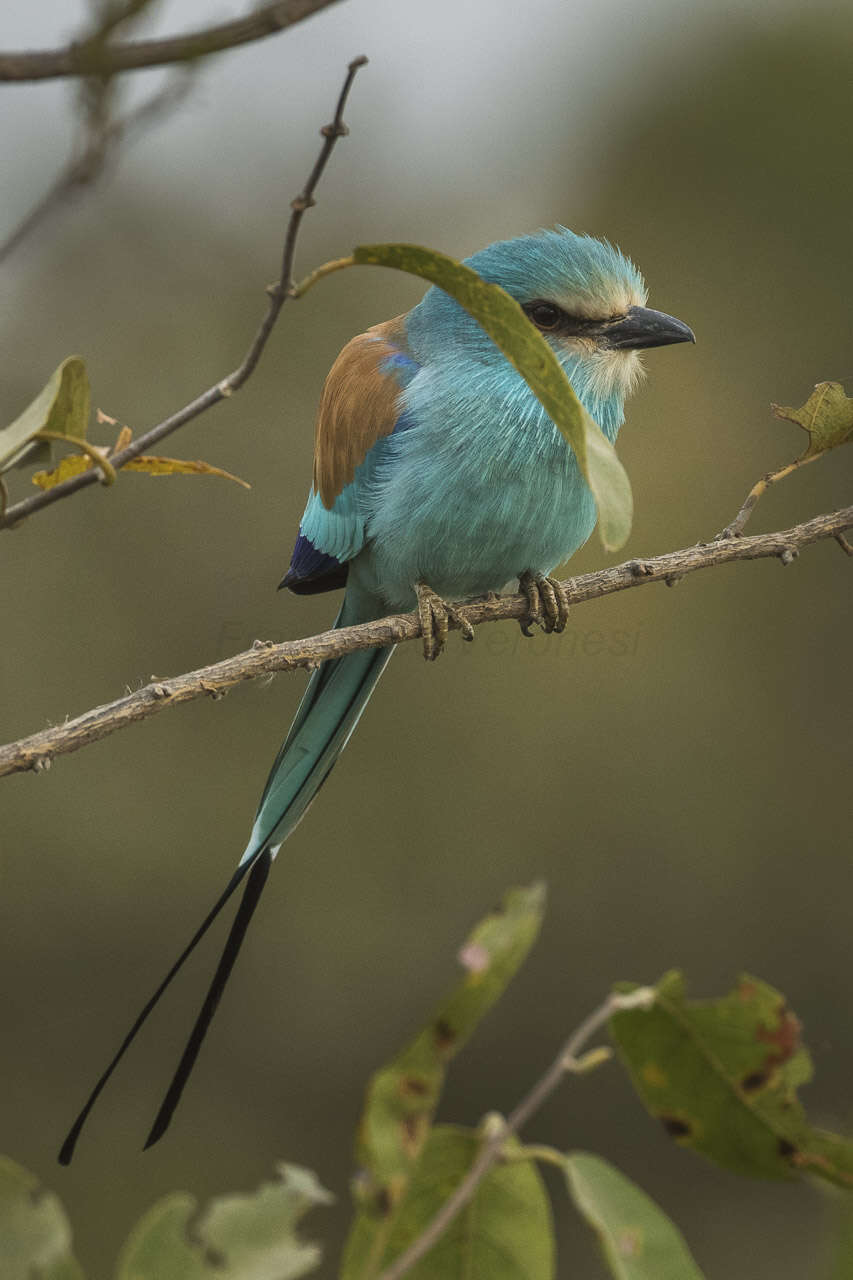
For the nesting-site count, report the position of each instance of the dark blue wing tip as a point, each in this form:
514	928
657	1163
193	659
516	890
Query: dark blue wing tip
312	571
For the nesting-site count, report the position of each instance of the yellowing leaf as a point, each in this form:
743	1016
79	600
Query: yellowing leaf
154	466
827	417
69	466
74	463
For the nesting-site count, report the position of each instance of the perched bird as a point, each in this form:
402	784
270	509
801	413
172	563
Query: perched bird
437	476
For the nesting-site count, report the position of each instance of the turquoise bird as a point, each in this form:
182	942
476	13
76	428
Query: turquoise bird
438	476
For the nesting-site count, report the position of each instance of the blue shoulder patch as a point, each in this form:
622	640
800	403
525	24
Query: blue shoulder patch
401	366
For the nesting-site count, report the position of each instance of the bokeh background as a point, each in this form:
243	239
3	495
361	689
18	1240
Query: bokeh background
685	793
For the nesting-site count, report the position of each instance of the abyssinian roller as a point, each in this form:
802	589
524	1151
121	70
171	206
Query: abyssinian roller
438	477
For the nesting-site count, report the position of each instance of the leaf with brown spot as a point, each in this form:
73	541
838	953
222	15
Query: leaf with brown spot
827	417
505	1231
407	1089
722	1078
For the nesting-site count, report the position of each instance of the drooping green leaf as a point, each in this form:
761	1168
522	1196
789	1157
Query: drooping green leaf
504	1233
827	417
35	1236
638	1240
722	1075
238	1237
526	349
402	1096
61	407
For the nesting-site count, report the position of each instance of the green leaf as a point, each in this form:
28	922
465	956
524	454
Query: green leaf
62	406
238	1237
529	353
827	417
35	1236
722	1075
637	1238
504	1233
402	1096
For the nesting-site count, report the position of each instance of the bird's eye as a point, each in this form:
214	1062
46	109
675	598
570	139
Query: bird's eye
544	315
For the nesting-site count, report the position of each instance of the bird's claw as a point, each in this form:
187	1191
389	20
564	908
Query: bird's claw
547	603
435	617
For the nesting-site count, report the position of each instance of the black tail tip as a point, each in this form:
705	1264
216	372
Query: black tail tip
66	1151
157	1130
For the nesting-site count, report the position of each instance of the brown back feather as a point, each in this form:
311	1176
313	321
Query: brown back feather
357	407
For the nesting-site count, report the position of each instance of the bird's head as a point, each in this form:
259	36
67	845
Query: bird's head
588	300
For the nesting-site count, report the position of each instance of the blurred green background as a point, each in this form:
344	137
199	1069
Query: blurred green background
685	795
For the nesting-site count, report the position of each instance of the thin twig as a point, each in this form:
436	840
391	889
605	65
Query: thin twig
91	156
490	1153
758	490
37	751
98	131
280	292
278	295
82	59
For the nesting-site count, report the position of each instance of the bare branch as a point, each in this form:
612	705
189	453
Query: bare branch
37	751
86	58
568	1059
98	130
278	295
99	140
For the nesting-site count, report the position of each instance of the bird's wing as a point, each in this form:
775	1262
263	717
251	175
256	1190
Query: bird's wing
359	409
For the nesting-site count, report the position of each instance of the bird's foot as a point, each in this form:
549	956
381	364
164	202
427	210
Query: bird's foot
436	615
547	603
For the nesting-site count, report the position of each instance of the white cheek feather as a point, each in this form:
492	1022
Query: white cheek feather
607	372
614	371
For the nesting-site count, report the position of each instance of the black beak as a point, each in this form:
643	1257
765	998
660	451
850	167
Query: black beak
641	327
